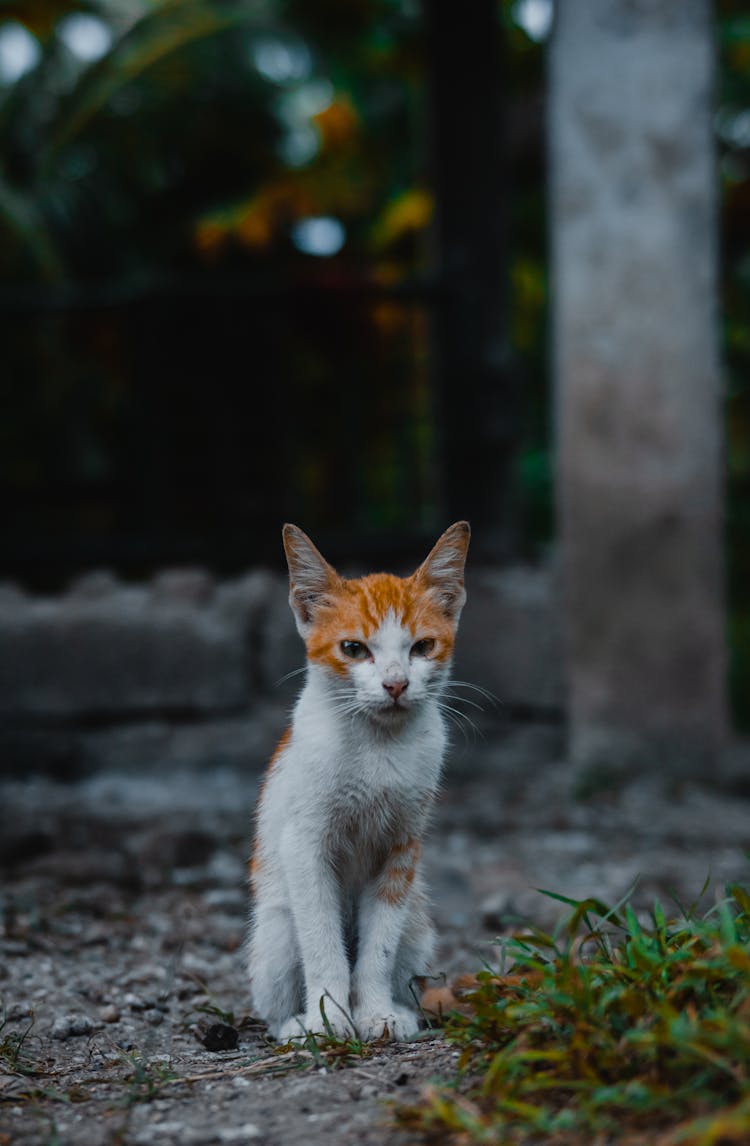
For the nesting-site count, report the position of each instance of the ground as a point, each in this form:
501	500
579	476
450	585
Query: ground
123	914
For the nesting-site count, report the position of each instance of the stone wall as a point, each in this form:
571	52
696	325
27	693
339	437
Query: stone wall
186	669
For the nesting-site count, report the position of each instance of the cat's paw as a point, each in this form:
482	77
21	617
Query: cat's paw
390	1022
300	1026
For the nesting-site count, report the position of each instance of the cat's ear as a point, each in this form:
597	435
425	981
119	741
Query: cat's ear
442	572
311	578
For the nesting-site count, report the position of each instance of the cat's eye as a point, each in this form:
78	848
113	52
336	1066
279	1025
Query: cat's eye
423	648
355	650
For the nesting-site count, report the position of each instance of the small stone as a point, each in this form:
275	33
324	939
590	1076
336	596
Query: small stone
15	947
168	1127
238	1133
109	1014
19	1011
154	1017
135	1002
72	1026
177	1130
219	1037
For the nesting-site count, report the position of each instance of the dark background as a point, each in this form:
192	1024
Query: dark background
187	361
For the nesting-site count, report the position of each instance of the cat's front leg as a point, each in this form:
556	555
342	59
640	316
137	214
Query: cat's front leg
316	908
384	911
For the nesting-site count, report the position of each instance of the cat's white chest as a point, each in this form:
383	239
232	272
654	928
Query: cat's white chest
357	789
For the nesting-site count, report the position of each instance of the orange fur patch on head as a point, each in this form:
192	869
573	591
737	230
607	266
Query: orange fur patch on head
399	872
357	609
428	619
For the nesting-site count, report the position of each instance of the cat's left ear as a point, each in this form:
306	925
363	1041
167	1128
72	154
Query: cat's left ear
311	578
443	569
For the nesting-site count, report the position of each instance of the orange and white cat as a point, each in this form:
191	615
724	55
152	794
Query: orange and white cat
340	911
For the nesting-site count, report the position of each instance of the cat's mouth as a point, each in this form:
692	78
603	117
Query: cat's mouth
392	709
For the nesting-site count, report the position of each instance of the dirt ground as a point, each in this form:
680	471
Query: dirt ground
123	906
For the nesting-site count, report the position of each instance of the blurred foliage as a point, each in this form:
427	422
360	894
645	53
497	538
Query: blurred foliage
622	1028
161	205
164	199
203	119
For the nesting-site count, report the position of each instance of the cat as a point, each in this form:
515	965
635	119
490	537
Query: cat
340	919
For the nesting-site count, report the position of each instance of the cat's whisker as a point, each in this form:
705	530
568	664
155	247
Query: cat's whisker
457	711
463	700
455	683
452	718
457	724
348	707
459	718
289	675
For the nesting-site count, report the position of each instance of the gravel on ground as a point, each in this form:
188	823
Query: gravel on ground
123	906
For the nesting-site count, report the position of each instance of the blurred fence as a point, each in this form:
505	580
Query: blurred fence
185	424
182	375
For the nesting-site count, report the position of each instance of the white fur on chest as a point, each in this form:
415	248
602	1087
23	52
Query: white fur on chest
353	787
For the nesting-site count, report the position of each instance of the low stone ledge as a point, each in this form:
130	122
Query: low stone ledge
150	746
187	669
180	643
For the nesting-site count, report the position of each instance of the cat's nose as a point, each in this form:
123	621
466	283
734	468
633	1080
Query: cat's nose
394	688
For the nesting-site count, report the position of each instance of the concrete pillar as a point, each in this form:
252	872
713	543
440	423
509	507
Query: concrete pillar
638	393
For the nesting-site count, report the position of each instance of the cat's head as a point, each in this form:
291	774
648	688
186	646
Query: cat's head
386	641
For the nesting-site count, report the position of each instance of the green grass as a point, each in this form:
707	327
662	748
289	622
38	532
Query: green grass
147	1079
15	1052
328	1050
620	1028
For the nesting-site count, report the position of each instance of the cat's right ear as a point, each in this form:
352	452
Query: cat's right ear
311	578
442	572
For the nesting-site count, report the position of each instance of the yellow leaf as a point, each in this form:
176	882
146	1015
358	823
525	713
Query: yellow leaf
338	123
408	213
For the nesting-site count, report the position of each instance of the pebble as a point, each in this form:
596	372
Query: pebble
194	1136
71	1026
136	1003
147	972
166	1127
18	1011
219	1037
238	1133
109	1014
15	947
